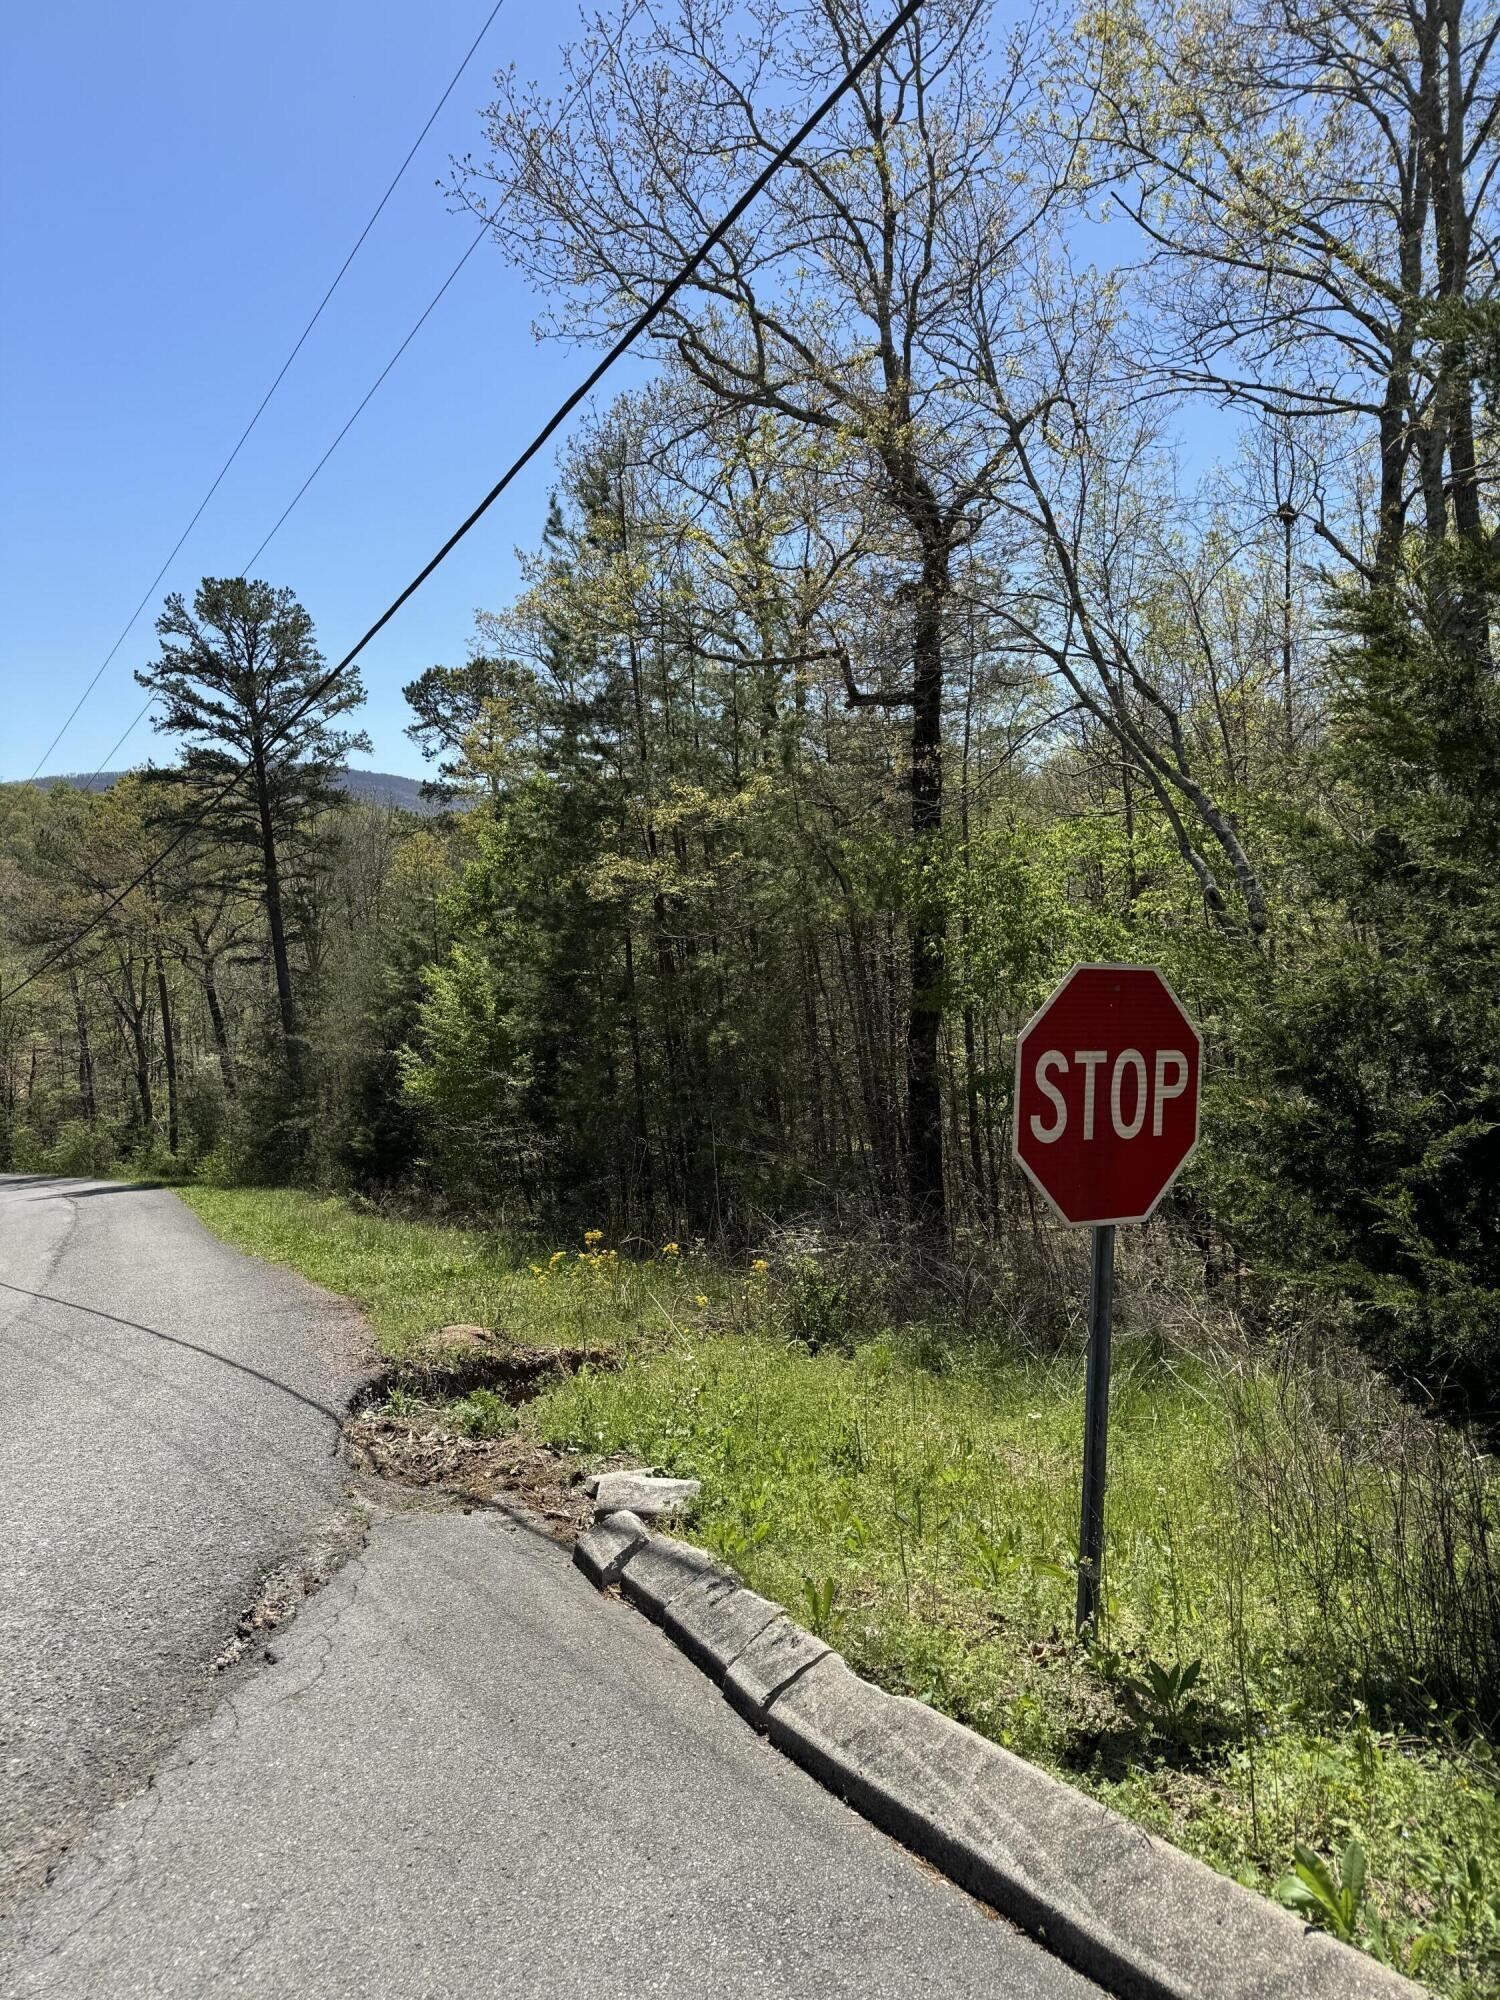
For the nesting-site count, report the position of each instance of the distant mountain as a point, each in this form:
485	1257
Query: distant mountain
387	788
381	788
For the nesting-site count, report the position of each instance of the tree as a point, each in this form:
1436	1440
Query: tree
1104	593
82	860
467	720
1360	1133
1316	185
240	679
881	267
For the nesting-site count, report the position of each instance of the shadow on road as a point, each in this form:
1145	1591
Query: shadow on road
48	1181
120	1187
173	1340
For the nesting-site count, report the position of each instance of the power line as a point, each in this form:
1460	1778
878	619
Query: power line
145	708
286	510
265	399
560	415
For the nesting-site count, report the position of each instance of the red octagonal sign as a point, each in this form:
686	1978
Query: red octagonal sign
1107	1093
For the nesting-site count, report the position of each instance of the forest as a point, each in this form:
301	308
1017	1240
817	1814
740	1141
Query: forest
1059	526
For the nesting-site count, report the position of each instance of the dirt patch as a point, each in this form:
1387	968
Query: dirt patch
399	1428
462	1359
419	1452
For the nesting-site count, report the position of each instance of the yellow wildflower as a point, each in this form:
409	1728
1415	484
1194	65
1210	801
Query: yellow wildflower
700	1299
593	1236
671	1249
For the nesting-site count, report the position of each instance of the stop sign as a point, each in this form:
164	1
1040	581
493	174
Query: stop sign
1107	1093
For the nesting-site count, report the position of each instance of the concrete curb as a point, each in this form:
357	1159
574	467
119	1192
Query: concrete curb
1141	1918
604	1551
660	1570
714	1621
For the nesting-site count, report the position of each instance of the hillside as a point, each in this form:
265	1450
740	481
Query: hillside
386	788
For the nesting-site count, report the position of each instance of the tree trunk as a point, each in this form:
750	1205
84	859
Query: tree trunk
168	1049
924	1089
638	1085
1454	393
221	1032
971	1058
274	918
85	1053
133	1019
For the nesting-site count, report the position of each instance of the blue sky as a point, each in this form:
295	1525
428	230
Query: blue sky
178	184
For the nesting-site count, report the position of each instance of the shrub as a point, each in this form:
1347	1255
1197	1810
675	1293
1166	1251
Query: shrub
80	1149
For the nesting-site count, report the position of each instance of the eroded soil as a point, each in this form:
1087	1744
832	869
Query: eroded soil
399	1428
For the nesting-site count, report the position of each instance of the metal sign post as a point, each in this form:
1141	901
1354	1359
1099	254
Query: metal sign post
1095	1429
1106	1111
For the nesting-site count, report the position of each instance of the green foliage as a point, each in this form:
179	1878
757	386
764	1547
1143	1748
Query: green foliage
997	1555
1335	1897
205	1115
859	1484
413	1276
1332	1897
470	1070
1158	1697
483	1414
914	1490
79	1148
1357	1139
468	719
819	1595
831	1299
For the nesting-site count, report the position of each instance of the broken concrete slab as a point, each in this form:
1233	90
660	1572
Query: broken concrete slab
660	1570
603	1551
641	1493
1147	1921
714	1620
773	1658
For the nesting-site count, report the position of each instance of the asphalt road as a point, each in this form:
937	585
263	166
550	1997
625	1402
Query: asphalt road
459	1772
168	1435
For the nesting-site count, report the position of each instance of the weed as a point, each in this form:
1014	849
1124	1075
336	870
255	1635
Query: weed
1329	1895
1158	1697
1336	1898
482	1414
827	1304
996	1556
818	1597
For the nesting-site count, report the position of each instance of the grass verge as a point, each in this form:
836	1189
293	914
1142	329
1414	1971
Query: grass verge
1296	1647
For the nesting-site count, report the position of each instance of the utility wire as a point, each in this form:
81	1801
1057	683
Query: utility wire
141	713
261	408
281	518
145	709
560	415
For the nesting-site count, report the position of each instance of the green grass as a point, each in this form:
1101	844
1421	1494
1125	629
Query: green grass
413	1277
933	1514
914	1493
